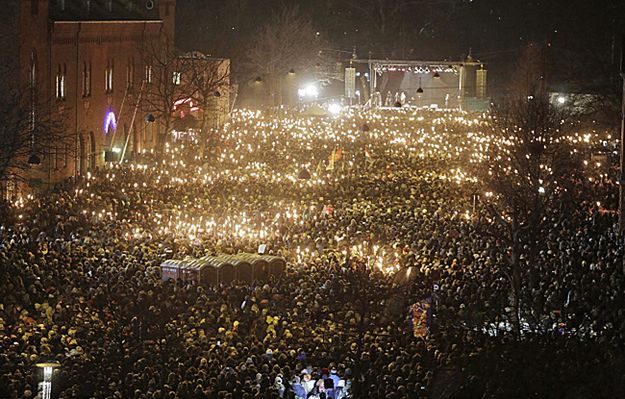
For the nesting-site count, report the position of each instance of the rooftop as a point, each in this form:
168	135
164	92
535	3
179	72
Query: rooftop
103	10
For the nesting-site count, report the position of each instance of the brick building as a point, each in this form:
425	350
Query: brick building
83	55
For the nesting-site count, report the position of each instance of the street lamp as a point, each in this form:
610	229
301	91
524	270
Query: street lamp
420	89
34	160
45	387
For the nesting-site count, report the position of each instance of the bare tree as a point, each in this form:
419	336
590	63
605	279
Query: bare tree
29	132
530	170
208	81
162	87
287	41
388	21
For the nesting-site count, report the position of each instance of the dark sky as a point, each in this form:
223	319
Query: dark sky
580	32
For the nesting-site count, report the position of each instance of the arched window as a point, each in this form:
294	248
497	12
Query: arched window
61	75
86	79
130	74
109	77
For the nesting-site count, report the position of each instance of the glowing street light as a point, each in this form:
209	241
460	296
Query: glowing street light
308	91
335	108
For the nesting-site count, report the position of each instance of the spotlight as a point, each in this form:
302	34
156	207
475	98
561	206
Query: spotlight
335	108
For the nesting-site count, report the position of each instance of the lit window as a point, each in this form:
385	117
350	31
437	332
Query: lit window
177	77
63	83
148	73
86	79
108	76
60	82
130	74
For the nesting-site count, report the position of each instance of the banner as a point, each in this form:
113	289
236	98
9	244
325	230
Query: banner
420	313
350	82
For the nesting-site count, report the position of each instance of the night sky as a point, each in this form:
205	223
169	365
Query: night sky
583	36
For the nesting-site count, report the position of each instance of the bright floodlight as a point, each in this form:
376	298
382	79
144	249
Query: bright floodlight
561	99
335	108
311	91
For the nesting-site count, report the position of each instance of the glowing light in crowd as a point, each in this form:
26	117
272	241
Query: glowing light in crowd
245	198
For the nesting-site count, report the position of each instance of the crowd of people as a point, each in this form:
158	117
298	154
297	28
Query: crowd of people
373	211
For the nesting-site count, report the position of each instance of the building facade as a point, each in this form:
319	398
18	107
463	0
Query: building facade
83	58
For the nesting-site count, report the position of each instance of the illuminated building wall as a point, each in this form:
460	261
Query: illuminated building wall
86	54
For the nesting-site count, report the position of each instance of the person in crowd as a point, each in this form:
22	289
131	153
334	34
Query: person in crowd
390	224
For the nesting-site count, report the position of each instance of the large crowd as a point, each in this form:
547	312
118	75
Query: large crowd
373	211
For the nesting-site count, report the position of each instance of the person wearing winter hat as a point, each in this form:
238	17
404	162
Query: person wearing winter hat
298	388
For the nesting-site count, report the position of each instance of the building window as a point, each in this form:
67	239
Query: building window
86	79
176	78
34	7
61	81
130	74
108	75
54	155
66	155
148	74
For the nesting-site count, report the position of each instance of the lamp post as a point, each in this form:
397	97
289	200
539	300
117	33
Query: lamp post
419	93
34	160
45	387
291	87
257	85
